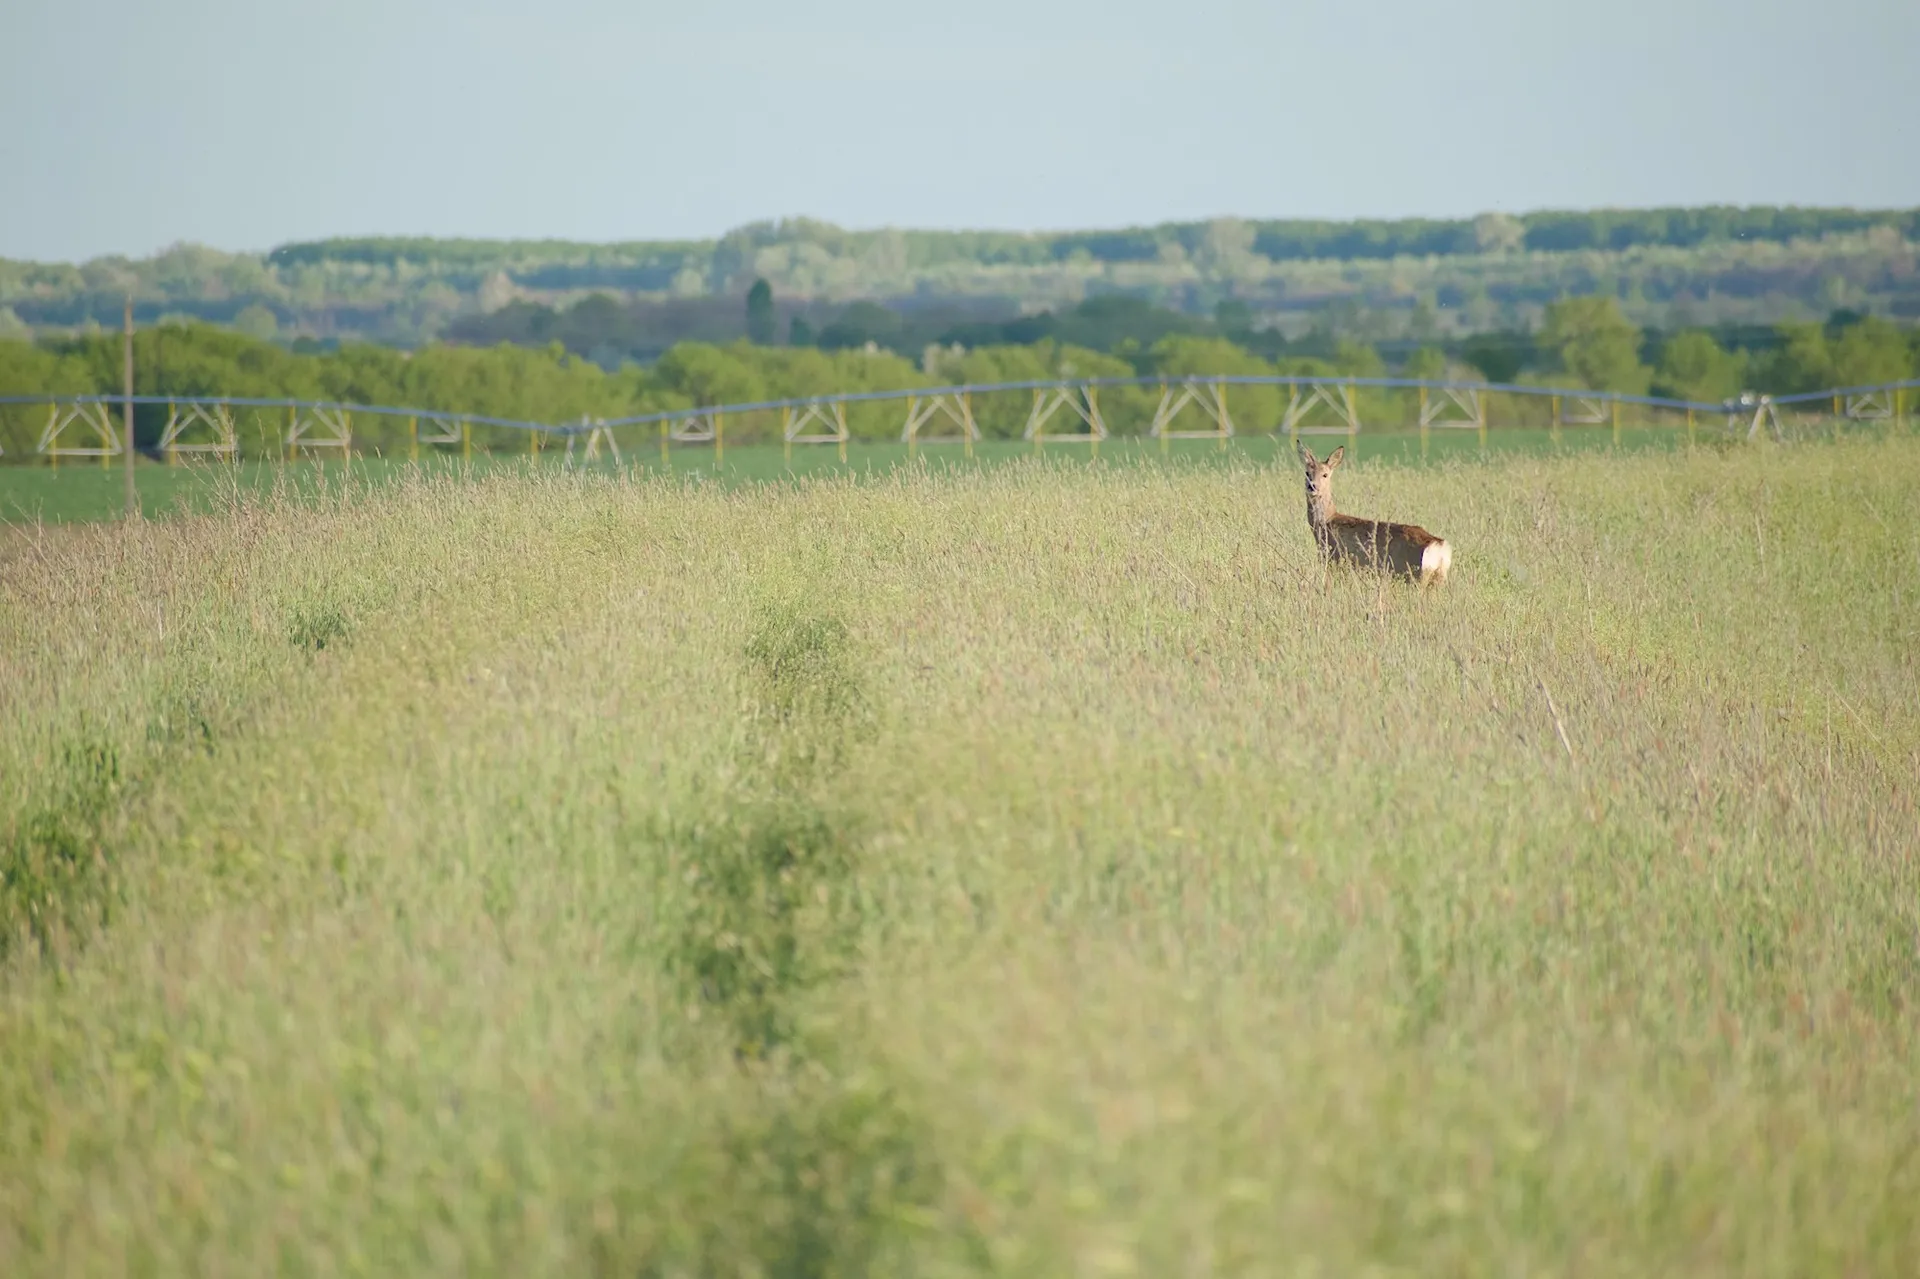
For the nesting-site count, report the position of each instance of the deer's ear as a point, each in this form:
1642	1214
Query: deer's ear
1338	456
1306	454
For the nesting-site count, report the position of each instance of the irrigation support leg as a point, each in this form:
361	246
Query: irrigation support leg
132	509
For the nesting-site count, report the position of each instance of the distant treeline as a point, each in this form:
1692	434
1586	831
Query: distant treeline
608	331
1584	342
1282	240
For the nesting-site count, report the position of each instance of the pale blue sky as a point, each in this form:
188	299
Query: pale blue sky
246	123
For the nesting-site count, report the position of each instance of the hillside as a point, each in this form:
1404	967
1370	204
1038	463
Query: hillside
1371	279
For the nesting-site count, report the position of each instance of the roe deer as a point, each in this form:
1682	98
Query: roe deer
1404	549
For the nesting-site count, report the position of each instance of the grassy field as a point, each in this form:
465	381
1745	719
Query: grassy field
1040	870
78	494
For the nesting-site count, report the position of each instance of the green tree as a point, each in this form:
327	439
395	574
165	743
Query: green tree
799	332
1357	359
1233	317
1871	351
1103	322
1800	362
1428	363
1498	356
861	323
257	321
760	321
1498	233
708	374
1694	367
1596	344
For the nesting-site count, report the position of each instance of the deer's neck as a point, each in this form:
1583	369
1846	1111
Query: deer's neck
1319	510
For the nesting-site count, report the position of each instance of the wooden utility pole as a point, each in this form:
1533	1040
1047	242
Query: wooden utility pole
126	412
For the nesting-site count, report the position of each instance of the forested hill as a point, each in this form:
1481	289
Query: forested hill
1666	267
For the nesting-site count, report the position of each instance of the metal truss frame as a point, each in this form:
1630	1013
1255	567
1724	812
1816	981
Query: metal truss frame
700	429
1869	406
1462	405
319	427
1049	400
957	409
215	416
93	415
1337	396
1754	411
832	415
1457	409
452	428
1210	396
1589	410
446	428
709	426
597	434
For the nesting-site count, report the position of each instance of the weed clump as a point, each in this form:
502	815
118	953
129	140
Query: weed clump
816	1183
808	701
316	624
801	661
55	870
817	1173
768	914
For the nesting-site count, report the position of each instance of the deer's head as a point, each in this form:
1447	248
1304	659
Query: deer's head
1320	477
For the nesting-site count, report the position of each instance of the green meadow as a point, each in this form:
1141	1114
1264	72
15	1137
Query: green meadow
1035	868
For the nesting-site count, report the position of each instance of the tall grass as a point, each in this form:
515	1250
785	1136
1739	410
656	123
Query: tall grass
1049	870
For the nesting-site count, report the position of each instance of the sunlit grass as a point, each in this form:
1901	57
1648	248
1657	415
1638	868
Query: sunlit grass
1043	870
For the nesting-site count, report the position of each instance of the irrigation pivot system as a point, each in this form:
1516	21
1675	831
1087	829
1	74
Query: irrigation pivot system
1063	411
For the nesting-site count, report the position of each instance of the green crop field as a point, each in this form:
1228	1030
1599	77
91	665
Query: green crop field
1040	869
83	493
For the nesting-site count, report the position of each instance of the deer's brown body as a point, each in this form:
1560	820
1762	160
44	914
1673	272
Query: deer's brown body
1405	550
